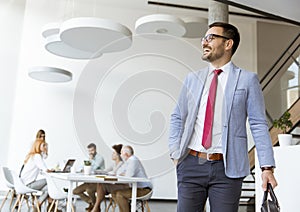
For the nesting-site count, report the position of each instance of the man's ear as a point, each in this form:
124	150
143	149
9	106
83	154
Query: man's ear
228	44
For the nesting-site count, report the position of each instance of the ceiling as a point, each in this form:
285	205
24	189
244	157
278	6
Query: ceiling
287	11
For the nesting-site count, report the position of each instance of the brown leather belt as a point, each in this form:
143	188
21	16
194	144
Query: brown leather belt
211	157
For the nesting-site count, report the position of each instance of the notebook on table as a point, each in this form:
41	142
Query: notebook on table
67	167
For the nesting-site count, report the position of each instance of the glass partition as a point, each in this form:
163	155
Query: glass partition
281	84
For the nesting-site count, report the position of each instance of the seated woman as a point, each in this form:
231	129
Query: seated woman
33	164
116	157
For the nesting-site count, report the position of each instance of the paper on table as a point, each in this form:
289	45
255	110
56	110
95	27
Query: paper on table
101	176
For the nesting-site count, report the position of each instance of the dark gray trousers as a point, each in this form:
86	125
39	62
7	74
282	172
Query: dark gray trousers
199	179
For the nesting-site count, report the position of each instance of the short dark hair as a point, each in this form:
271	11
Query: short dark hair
91	145
230	32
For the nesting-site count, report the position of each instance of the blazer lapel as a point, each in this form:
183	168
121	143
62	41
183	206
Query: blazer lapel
230	89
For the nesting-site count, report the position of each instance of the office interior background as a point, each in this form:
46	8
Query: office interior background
121	97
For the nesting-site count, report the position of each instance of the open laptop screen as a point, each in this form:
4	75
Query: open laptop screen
68	166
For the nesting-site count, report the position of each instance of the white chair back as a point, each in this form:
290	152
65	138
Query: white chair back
146	197
22	190
20	187
53	190
9	181
143	201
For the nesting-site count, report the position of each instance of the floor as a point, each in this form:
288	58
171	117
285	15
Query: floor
155	206
163	206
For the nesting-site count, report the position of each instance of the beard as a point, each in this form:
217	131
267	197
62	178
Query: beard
206	57
213	56
92	155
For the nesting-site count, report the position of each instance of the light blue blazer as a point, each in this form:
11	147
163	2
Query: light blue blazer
243	99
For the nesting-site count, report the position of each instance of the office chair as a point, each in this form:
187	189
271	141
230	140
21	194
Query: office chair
142	202
22	190
55	193
10	184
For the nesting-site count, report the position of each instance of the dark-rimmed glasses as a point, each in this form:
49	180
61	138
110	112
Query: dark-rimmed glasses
208	38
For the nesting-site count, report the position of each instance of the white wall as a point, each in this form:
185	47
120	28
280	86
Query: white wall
123	97
11	22
286	157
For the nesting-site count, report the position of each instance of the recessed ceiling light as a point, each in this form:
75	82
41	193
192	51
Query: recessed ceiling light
160	23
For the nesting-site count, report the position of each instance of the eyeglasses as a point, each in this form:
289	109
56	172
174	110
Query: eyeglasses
208	38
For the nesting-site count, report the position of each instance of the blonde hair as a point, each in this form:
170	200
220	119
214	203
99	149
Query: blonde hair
41	134
35	148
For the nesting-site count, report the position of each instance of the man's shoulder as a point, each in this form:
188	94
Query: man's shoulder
194	77
197	73
133	159
244	71
98	157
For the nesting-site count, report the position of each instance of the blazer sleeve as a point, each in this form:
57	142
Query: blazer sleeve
258	124
177	121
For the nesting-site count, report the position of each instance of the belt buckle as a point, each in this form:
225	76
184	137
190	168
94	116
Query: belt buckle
207	157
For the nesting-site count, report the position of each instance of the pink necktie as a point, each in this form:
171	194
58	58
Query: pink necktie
209	114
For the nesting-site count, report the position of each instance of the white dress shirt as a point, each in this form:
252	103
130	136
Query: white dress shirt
196	140
133	167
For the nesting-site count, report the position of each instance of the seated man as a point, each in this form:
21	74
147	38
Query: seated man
121	193
97	162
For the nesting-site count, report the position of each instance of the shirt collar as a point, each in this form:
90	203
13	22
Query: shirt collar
225	68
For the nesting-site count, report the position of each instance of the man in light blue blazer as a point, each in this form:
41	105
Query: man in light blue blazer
217	171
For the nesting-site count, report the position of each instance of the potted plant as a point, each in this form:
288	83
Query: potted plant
283	123
87	163
87	167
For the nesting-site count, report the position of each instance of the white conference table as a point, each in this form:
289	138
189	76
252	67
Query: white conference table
80	177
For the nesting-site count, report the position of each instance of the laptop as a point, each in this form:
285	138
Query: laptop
68	166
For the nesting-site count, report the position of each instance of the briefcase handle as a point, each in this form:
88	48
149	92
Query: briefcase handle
272	194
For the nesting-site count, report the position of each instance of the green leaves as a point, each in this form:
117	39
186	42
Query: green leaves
87	163
284	122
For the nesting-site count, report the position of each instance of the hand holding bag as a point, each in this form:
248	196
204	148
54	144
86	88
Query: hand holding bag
270	205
